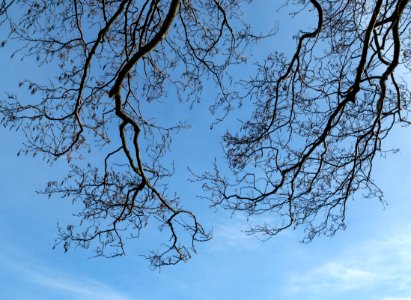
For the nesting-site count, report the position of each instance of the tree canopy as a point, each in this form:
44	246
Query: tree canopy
319	115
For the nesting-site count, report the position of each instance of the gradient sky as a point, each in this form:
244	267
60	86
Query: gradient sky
371	259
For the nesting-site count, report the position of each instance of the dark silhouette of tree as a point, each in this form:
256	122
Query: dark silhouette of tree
320	118
321	112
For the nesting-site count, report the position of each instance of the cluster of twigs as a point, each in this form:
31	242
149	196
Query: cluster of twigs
320	115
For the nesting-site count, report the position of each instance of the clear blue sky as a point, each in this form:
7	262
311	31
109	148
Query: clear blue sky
371	259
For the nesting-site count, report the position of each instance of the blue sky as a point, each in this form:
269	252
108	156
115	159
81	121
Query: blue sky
371	259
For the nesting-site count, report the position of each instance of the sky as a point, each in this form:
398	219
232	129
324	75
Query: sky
371	259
